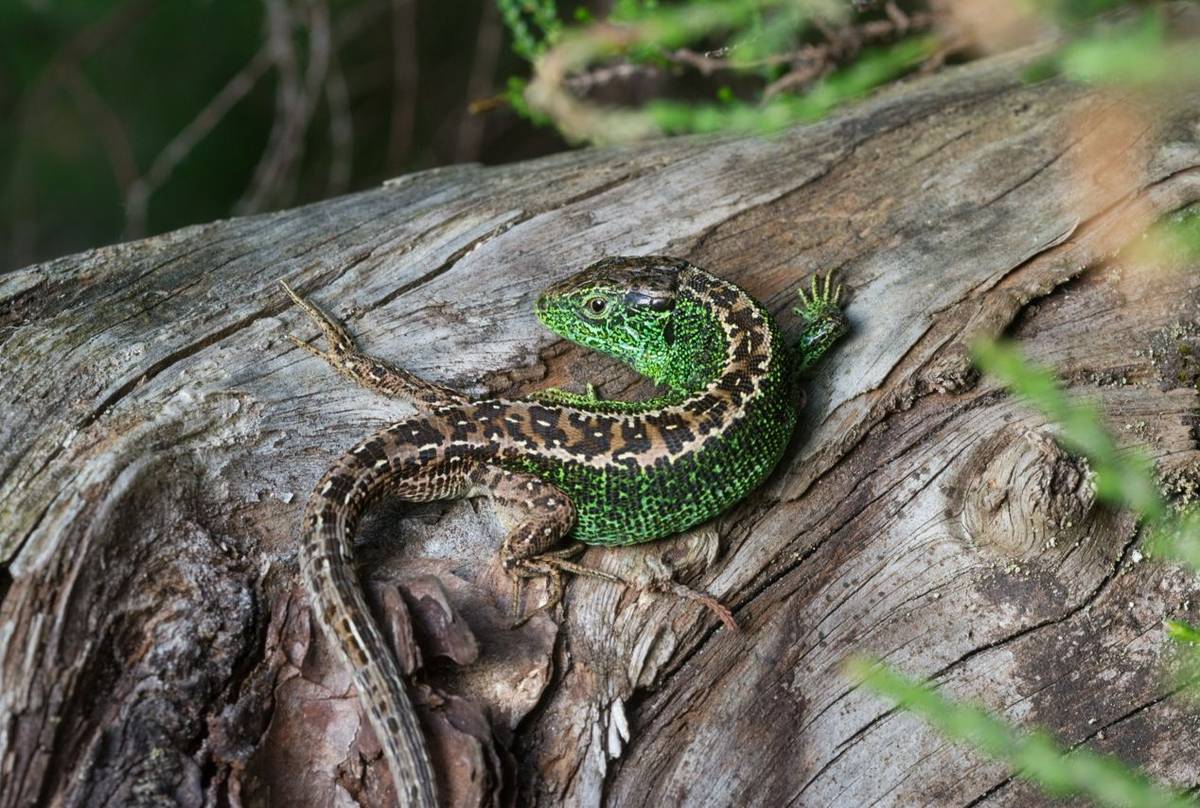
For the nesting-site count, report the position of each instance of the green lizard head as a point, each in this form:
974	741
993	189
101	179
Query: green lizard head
618	306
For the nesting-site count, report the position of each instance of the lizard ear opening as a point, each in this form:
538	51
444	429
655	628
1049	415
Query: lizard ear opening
653	299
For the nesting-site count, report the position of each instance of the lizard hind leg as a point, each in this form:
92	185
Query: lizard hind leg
538	516
368	371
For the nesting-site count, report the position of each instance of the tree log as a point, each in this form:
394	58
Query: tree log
160	436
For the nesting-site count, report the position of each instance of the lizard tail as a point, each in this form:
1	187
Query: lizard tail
327	565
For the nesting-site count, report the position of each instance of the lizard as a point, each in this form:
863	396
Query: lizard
559	465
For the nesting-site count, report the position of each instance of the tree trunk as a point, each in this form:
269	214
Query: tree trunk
160	436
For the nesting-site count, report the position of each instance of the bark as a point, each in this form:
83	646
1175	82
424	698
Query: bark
160	435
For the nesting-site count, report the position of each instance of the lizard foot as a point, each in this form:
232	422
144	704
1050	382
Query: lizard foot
551	566
556	395
824	320
821	298
340	341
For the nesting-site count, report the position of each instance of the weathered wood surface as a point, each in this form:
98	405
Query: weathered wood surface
159	437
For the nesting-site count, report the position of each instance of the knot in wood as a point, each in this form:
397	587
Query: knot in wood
1025	497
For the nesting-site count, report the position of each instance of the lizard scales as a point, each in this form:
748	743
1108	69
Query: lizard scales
561	464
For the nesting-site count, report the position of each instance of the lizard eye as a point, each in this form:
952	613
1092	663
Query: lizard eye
595	306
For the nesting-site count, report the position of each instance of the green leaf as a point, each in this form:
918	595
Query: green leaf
1122	477
1137	55
1034	756
1182	632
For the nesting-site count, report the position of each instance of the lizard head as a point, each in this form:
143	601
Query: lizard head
618	306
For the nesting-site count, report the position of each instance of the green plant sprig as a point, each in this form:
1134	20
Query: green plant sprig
1034	756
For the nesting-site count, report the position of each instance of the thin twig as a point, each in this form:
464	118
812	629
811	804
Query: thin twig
815	61
108	126
848	39
801	75
349	25
138	193
288	101
276	175
320	49
341	128
584	82
355	20
807	63
404	83
488	39
86	42
937	59
901	20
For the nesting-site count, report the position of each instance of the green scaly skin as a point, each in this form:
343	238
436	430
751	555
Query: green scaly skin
628	503
560	465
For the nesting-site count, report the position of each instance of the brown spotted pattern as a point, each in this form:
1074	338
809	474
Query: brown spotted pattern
503	448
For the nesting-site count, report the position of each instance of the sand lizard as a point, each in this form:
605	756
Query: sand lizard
561	465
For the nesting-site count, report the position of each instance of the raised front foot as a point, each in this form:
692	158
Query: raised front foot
824	320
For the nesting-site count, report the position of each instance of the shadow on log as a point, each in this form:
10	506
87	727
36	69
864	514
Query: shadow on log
159	437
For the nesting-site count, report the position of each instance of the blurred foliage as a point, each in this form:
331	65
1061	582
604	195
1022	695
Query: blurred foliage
1122	477
795	60
871	69
1142	58
1175	239
1034	756
1140	55
1182	632
533	24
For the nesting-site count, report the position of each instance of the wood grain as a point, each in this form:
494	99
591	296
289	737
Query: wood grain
159	437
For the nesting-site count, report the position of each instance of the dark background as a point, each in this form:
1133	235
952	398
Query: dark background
94	92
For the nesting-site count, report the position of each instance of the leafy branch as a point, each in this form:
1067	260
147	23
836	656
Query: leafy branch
806	57
764	37
1034	756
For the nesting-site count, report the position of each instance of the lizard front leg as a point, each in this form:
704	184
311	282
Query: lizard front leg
592	402
824	321
556	395
368	371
